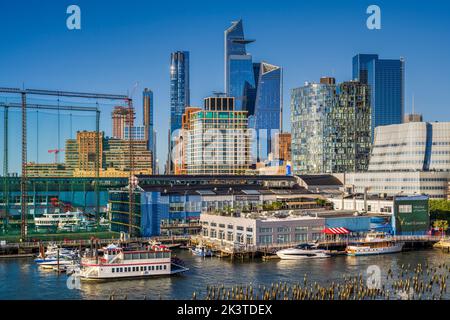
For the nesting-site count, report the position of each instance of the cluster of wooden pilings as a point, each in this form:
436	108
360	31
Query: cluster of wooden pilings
421	282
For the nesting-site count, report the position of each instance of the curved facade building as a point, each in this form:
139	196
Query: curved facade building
414	146
409	158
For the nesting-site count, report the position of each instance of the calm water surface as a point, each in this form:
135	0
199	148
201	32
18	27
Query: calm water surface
22	279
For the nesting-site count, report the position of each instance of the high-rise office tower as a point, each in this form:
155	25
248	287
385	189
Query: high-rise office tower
386	80
147	106
120	120
179	87
238	64
266	119
179	96
330	127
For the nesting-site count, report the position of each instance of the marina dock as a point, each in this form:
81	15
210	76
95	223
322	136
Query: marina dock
223	249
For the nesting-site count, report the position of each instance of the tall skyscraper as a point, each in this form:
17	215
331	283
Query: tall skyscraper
386	80
238	64
256	88
120	120
266	119
179	97
330	127
179	87
147	106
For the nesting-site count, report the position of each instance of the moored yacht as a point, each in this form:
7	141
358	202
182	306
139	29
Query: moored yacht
302	251
375	243
201	251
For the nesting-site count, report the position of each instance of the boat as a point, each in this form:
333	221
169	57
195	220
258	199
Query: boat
201	251
53	254
69	220
375	243
302	251
52	264
118	263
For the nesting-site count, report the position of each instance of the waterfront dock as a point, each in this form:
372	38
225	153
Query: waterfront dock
336	247
29	249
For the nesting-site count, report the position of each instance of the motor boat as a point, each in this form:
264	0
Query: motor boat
375	243
302	251
201	251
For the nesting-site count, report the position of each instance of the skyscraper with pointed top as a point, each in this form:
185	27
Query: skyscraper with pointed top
238	63
256	88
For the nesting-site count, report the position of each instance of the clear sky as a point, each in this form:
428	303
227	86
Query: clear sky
124	42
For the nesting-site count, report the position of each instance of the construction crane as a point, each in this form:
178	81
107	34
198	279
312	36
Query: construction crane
56	152
23	94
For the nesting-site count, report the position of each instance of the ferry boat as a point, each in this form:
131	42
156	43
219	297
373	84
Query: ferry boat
59	220
375	243
302	251
117	263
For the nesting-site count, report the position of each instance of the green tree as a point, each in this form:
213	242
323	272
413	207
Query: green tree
439	209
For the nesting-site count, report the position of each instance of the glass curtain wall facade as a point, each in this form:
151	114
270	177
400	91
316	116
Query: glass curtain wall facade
148	115
179	87
330	128
309	106
347	131
386	83
238	64
267	107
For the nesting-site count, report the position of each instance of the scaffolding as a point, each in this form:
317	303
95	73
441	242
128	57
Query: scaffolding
24	93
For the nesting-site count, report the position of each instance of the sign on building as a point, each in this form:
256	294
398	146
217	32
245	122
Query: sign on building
411	215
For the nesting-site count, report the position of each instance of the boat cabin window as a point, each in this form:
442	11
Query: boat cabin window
113	270
165	267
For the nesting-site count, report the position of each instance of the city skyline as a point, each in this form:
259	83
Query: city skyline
116	70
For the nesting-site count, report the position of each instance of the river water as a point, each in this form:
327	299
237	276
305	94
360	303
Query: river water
22	279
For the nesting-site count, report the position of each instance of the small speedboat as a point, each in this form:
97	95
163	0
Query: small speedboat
302	251
201	251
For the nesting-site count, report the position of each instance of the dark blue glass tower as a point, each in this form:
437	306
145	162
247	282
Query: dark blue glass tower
238	64
147	111
267	110
179	87
386	80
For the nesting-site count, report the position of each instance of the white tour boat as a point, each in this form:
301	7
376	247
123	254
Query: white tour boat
375	243
302	251
59	220
117	263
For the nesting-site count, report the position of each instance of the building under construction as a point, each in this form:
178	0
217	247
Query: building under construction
89	145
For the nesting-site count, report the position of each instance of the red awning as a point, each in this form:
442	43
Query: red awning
336	231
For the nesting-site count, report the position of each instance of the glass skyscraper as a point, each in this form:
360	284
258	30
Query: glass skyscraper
238	64
179	87
386	80
148	112
330	127
267	110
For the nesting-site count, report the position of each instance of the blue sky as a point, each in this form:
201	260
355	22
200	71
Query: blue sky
124	42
